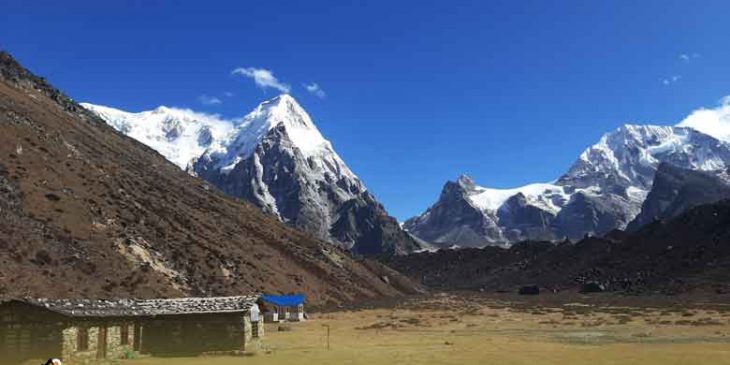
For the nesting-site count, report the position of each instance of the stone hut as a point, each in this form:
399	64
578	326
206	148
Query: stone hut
529	290
83	330
283	307
592	287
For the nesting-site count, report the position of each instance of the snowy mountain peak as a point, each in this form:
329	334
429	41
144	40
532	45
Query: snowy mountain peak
161	110
178	134
466	182
603	190
276	158
282	111
285	100
629	156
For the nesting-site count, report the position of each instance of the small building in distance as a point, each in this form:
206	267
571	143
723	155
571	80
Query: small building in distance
592	287
279	308
84	330
529	290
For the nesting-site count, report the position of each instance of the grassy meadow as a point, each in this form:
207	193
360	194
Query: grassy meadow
450	329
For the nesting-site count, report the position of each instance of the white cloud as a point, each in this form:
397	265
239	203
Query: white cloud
209	100
263	78
228	94
714	122
670	80
315	89
725	100
686	57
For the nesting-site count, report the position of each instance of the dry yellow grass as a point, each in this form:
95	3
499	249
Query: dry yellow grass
449	331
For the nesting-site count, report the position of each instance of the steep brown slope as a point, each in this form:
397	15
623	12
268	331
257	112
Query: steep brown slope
87	212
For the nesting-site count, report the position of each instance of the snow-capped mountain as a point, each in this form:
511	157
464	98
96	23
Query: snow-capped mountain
628	157
603	190
178	134
280	122
276	158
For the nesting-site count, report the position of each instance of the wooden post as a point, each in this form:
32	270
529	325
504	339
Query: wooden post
137	340
101	342
328	335
247	328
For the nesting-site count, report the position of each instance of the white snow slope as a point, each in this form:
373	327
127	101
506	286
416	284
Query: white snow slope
183	135
281	111
178	134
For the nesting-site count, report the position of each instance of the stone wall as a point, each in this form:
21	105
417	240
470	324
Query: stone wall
28	334
253	333
247	330
194	334
71	349
33	334
114	347
257	329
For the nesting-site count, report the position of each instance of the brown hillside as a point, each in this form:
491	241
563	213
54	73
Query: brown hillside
87	212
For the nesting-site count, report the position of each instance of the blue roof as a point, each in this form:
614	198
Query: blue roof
284	300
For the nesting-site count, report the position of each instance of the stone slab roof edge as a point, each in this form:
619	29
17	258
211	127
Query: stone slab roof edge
144	307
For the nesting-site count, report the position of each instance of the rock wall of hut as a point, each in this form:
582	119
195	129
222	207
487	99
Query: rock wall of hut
28	333
31	333
195	334
115	346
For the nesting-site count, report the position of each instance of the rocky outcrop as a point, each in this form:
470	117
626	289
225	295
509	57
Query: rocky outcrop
676	190
454	220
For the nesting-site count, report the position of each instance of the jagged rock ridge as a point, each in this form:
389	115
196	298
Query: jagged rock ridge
676	190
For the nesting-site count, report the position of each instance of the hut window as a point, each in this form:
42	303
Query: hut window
124	334
82	339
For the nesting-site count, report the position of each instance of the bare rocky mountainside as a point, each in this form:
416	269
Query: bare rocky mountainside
676	190
686	253
276	158
88	212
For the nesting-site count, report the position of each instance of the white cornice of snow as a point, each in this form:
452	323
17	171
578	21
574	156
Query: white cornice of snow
540	194
180	135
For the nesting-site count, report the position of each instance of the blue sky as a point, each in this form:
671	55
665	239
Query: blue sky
416	92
